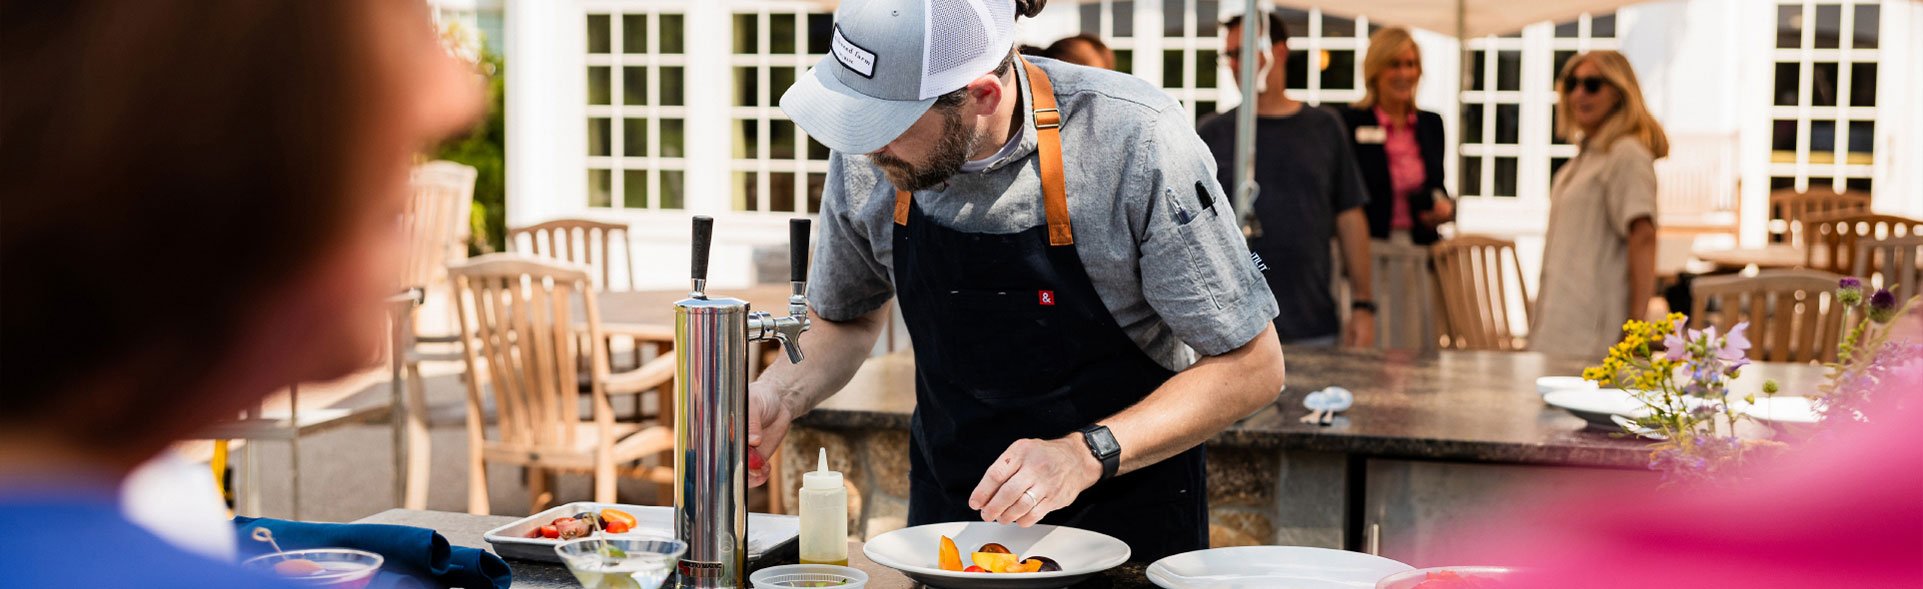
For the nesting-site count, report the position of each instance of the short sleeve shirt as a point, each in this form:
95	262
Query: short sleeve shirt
1585	255
1172	271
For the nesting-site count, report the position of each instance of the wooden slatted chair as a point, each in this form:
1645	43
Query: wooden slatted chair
1793	315
1832	239
589	243
1474	275
1895	264
436	223
517	326
1791	208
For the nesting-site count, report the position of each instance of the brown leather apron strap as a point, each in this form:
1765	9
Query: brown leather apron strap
1048	136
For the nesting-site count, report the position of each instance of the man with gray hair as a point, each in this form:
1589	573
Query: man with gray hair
1058	244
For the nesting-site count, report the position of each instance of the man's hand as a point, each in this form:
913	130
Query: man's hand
1033	478
1361	332
768	419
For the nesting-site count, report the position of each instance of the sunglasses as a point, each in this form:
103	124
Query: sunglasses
1590	84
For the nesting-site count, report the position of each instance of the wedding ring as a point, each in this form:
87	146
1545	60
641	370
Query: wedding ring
1031	497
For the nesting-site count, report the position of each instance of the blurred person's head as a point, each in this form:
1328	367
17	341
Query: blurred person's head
1083	49
856	98
1270	68
1390	70
1600	101
202	202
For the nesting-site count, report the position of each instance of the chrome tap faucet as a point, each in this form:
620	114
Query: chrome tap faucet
711	349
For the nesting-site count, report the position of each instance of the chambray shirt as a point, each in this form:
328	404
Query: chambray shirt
1174	272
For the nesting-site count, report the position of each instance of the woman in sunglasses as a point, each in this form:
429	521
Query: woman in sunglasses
1599	253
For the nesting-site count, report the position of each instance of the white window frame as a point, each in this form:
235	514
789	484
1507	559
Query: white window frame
1805	172
617	112
763	166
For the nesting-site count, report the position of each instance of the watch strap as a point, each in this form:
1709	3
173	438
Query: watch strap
1092	436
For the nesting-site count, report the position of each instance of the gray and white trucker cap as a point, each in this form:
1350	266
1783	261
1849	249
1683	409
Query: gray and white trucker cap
889	60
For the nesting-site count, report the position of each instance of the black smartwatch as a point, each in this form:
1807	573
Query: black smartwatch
1102	444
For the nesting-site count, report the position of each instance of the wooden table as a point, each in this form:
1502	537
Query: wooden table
463	529
1775	255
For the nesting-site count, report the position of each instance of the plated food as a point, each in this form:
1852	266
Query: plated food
1060	556
992	558
580	525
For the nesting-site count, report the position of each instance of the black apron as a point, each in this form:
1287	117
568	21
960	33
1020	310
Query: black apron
1012	341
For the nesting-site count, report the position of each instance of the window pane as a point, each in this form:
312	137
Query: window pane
746	198
747	139
1868	25
634	33
1829	22
1862	137
597	33
1172	69
634	137
1862	185
1555	110
1782	136
1822	137
634	86
1508	123
779	79
671	189
1477	67
1568	30
1205	68
1296	71
1125	61
1863	84
634	189
1603	26
1555	165
1561	58
1173	17
1788	76
671	33
1505	176
599	142
1203	110
1338	71
1091	13
1472	123
1823	84
1123	14
1508	70
1779	183
817	151
781	192
1294	22
821	29
781	34
1789	26
598	191
1205	24
671	86
815	183
1335	26
746	89
1471	176
781	140
671	138
747	34
598	82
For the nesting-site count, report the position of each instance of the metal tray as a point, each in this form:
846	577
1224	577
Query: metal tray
771	538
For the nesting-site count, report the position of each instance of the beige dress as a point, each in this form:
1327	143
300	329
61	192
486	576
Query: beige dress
1585	259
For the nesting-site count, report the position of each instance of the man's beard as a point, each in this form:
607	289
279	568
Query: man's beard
951	151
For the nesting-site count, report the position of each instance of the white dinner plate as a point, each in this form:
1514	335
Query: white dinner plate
1550	384
1596	406
1250	567
1790	410
916	552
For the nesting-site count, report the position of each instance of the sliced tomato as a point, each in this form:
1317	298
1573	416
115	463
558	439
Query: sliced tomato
550	532
974	569
617	521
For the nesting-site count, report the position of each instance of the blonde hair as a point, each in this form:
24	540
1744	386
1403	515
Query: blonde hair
1630	119
1384	47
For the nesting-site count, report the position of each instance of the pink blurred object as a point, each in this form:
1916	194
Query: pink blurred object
1842	510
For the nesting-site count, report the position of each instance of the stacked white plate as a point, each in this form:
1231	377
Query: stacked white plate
1250	567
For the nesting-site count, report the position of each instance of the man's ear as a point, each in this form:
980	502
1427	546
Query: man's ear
985	95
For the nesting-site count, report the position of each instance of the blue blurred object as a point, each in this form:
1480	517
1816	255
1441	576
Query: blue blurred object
416	557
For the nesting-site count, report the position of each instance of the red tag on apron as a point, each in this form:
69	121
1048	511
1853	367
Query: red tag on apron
1048	298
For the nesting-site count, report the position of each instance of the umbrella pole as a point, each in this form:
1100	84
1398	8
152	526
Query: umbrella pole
1245	187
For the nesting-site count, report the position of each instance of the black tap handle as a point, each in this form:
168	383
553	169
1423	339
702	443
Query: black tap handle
797	250
703	236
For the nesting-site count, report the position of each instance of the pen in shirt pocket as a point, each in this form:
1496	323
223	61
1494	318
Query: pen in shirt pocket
1181	214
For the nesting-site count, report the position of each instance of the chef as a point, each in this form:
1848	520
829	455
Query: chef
1061	253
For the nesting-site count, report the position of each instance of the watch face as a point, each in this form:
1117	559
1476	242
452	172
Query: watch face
1103	442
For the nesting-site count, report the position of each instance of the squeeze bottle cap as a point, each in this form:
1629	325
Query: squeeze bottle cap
821	478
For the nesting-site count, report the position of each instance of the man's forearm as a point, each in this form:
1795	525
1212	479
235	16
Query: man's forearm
833	351
1642	267
1352	231
1198	402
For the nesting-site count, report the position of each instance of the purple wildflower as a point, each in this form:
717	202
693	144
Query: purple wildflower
1849	282
1882	306
1675	348
1849	291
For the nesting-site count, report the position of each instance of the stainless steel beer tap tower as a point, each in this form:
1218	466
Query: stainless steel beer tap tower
711	349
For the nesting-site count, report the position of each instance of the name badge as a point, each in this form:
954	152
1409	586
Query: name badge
1371	134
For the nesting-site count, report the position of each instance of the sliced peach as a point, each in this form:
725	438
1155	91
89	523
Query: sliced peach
996	561
950	555
1031	566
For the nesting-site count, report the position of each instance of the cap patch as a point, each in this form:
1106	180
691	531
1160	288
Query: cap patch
852	56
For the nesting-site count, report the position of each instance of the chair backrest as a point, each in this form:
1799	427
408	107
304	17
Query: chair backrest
1895	263
1478	278
1405	316
1696	184
1791	208
1793	315
436	221
517	315
1832	239
576	240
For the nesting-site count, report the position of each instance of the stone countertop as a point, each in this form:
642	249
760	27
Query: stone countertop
1449	405
463	529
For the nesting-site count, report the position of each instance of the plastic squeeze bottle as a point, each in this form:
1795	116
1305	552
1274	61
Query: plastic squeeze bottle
824	516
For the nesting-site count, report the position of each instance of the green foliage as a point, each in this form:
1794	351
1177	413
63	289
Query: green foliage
485	148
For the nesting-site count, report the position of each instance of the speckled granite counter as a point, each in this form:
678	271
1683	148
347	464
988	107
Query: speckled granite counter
1451	405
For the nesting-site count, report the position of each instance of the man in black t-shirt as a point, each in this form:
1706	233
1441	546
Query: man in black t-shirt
1311	192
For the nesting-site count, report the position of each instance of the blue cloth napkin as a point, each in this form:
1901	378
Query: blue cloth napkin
415	557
